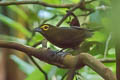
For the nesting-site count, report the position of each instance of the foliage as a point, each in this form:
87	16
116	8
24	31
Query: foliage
24	18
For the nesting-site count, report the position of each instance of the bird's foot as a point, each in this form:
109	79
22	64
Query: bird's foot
61	53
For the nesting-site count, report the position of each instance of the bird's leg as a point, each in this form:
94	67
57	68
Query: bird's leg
61	53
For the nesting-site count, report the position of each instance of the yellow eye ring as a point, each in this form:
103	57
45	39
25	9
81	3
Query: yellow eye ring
45	27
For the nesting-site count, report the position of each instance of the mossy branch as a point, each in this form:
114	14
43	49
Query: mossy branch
68	61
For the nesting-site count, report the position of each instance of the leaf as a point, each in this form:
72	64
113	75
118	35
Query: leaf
75	1
95	17
98	49
19	11
97	36
60	71
37	75
25	67
13	24
11	38
52	1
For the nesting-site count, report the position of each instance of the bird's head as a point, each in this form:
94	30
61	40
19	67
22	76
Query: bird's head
45	28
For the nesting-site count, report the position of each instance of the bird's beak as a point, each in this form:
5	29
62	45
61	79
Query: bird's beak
37	29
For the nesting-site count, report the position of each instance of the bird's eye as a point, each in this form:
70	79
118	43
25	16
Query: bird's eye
45	27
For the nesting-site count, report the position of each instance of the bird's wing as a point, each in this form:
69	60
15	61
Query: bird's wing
76	27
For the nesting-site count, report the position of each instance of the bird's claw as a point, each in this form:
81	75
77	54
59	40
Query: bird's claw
62	54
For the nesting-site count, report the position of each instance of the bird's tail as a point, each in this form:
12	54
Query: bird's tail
89	34
95	29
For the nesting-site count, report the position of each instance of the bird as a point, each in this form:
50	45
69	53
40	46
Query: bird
64	37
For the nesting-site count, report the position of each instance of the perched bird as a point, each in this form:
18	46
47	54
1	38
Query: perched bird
64	37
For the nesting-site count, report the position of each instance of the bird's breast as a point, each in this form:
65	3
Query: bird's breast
66	38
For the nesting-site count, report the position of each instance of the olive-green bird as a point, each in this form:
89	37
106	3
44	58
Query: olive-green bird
64	37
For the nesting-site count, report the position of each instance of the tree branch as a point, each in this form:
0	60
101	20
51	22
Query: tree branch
37	65
7	3
117	50
45	74
80	5
107	60
87	2
71	74
68	61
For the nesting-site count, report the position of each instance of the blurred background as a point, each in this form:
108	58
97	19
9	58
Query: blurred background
18	21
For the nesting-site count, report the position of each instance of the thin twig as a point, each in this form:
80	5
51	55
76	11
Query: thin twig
71	74
45	74
108	60
80	76
36	64
90	12
87	2
64	75
79	5
30	38
49	19
76	73
44	43
36	44
117	51
106	45
6	3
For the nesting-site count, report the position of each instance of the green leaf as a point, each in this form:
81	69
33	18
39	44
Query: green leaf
75	1
98	49
13	24
95	17
19	11
60	71
37	75
52	1
11	38
37	38
25	67
98	36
